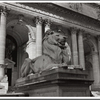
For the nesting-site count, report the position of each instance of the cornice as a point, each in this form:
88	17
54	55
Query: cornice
64	17
62	12
95	5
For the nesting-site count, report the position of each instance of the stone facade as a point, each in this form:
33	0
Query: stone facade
26	23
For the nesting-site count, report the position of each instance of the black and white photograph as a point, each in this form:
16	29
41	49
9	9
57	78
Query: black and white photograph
49	49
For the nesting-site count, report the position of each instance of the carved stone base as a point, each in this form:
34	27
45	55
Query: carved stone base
4	87
56	82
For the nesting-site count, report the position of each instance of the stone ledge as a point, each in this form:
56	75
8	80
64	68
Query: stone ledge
55	82
14	95
55	74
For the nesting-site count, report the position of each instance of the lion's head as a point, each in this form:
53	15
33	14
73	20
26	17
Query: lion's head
56	38
60	39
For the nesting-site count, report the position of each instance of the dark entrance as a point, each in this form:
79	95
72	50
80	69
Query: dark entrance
11	55
9	74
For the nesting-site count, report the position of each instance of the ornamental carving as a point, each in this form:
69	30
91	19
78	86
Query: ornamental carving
48	22
39	20
73	30
4	10
76	6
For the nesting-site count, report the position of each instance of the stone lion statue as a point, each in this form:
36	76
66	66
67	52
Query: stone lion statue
55	53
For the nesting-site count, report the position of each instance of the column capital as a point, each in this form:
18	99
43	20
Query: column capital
73	29
47	22
81	31
4	10
39	20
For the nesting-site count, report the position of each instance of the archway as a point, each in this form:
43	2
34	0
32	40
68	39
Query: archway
19	33
92	60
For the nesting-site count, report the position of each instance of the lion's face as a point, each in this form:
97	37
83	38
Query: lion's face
60	38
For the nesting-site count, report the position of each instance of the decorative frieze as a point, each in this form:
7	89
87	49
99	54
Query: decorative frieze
76	6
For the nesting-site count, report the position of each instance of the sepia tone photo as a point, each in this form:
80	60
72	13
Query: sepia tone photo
49	49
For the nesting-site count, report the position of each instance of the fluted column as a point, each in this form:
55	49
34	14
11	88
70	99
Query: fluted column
38	36
81	49
47	24
2	39
96	73
74	46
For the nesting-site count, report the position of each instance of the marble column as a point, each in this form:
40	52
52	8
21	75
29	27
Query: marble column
47	24
96	72
81	49
38	36
74	46
2	39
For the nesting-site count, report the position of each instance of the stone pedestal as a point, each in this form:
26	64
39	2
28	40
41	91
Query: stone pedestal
56	82
4	88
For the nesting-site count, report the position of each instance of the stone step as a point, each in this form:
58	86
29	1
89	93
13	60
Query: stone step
14	95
